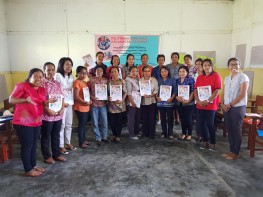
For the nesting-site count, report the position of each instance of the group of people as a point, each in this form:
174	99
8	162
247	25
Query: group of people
33	98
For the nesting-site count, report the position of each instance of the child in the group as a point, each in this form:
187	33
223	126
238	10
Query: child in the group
166	107
65	78
132	84
186	105
116	108
81	106
98	107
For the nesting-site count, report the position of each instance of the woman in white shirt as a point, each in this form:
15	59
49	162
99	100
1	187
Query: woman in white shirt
65	78
234	106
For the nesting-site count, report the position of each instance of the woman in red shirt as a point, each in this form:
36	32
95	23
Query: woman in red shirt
29	98
207	89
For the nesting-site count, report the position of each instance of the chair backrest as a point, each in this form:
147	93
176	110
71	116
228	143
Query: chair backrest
8	106
259	104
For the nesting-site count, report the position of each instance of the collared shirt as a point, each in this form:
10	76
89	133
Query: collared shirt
91	84
174	71
232	89
214	80
27	114
79	85
169	82
154	89
113	106
66	86
156	73
187	81
52	87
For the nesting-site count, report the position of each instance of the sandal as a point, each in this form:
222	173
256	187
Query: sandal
70	147
113	139
188	138
117	139
183	137
86	142
33	173
226	154
232	157
39	169
63	151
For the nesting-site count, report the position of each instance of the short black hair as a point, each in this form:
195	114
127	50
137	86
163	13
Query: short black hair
31	72
159	56
144	55
132	67
233	59
145	68
61	63
99	52
79	68
185	68
99	66
199	60
189	56
113	68
111	61
175	53
48	63
165	68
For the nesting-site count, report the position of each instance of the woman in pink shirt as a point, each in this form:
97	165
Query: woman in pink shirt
52	118
29	98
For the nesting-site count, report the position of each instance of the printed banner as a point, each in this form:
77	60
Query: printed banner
122	45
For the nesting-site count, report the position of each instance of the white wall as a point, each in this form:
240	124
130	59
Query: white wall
4	58
45	30
247	26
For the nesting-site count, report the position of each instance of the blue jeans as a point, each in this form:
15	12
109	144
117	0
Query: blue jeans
99	114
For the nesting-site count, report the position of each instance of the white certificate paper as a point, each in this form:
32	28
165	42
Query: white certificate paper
145	87
57	105
101	92
86	94
204	92
184	91
136	98
165	92
116	92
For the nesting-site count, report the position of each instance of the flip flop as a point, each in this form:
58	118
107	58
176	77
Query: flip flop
39	169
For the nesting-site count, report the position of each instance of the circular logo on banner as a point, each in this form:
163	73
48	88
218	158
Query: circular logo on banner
103	42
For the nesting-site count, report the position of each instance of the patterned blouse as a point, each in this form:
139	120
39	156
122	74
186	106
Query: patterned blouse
52	87
187	81
91	85
154	88
113	106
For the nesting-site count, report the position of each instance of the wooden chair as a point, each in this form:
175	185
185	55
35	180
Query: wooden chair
250	126
9	132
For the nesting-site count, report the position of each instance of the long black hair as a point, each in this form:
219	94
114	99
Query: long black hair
31	72
128	58
61	63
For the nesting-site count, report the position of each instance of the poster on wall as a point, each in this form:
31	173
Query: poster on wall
241	53
122	45
204	55
256	60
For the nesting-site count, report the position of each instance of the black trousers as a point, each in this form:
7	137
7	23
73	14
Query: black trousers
50	133
186	114
28	137
115	121
167	117
148	116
